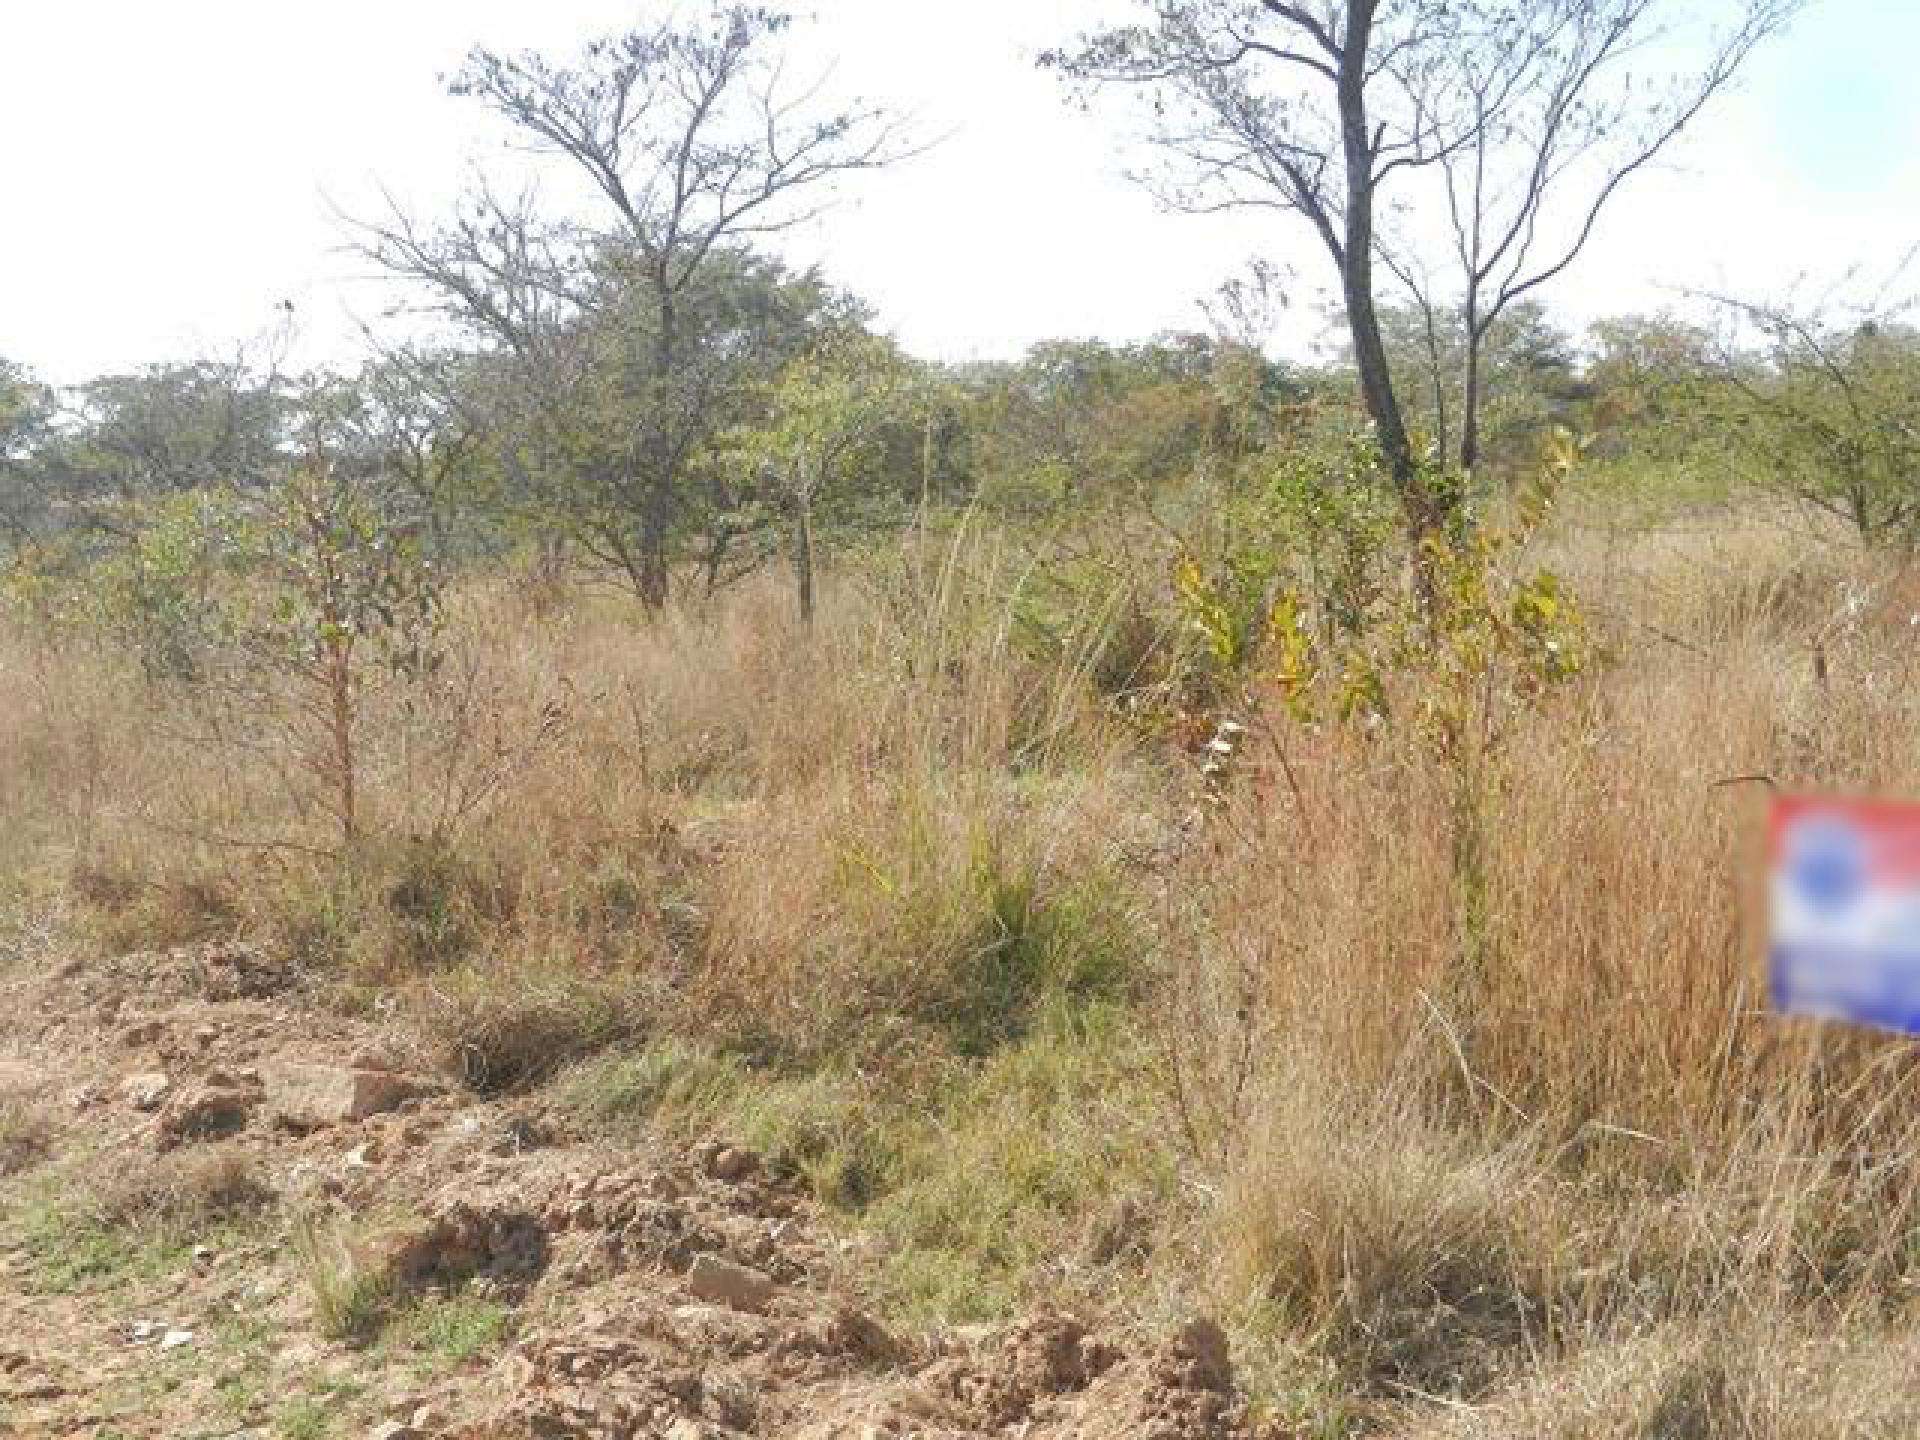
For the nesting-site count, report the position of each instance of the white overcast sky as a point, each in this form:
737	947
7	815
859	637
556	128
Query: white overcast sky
168	168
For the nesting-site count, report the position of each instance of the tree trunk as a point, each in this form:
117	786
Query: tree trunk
655	581
1470	397
803	550
656	520
338	668
718	544
1424	511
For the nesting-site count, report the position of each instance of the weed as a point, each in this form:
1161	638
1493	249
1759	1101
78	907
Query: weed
27	1135
451	1329
351	1300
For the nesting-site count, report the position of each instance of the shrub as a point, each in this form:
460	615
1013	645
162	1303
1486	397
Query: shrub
507	1027
27	1135
350	1298
182	1193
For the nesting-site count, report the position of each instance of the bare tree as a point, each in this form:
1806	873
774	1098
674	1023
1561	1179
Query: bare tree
1330	108
1542	113
695	147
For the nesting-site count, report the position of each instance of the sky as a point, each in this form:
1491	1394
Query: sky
171	170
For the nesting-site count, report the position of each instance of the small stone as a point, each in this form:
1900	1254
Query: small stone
731	1164
395	1430
738	1287
315	1095
174	1339
146	1090
427	1419
206	1035
205	1113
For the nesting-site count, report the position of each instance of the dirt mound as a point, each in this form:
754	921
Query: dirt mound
524	1280
465	1240
218	970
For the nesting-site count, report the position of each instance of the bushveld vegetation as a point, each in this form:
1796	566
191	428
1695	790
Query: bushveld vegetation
1058	811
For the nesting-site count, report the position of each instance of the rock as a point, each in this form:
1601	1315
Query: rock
850	1331
519	1134
205	1113
738	1287
731	1164
146	1090
313	1095
395	1430
174	1339
426	1419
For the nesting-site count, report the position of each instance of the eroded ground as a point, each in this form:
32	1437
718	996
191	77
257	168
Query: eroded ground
228	1210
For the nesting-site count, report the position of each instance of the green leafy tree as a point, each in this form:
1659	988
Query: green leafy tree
276	605
1528	382
1826	408
1650	387
823	447
167	429
616	326
26	415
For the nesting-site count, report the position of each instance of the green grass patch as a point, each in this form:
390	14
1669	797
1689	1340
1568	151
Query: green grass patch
979	1173
1009	1177
71	1249
450	1329
972	941
350	1301
325	1411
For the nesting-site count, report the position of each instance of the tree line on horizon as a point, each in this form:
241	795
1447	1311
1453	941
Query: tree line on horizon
645	392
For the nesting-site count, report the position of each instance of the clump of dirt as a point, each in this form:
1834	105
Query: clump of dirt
1042	1357
217	970
464	1240
530	1281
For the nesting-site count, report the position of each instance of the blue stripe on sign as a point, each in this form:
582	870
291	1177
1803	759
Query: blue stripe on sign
1856	983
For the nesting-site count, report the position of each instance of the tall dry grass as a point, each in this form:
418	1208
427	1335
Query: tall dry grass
1461	1147
1414	1142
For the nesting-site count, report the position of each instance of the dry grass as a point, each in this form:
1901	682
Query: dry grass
27	1134
350	1297
180	1194
1428	1142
